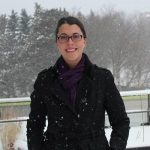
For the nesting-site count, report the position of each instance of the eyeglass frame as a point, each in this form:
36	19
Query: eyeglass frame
70	37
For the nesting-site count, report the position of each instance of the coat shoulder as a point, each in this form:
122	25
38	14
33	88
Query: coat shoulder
102	71
43	78
45	73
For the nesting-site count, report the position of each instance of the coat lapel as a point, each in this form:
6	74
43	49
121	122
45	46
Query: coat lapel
82	92
58	91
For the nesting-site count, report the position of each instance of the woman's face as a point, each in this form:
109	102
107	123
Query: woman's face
71	48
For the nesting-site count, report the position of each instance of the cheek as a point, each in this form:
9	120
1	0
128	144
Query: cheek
82	46
60	46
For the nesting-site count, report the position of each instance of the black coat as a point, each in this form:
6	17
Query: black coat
79	127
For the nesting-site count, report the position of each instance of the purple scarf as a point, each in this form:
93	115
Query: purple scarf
70	77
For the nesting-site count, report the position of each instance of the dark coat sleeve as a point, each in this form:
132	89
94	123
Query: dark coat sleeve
117	114
37	116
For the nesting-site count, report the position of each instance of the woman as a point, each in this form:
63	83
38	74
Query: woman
74	95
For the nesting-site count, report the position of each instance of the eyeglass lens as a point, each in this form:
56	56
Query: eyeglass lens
64	37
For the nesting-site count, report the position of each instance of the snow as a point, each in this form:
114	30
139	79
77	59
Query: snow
21	141
137	92
139	136
1	145
16	99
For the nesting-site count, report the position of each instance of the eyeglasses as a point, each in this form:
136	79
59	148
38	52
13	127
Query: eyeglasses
63	38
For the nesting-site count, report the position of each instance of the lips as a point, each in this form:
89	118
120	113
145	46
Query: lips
71	49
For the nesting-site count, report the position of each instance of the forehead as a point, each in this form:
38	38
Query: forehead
69	29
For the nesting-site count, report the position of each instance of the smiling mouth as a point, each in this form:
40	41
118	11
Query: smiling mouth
71	49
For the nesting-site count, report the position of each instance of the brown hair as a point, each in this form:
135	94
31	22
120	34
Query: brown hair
70	20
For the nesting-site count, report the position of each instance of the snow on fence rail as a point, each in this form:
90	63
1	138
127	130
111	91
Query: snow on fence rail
14	120
13	100
25	118
135	93
123	94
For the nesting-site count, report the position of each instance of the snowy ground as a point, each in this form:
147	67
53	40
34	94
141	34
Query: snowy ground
138	137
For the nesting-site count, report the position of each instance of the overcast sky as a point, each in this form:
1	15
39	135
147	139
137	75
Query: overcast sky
128	6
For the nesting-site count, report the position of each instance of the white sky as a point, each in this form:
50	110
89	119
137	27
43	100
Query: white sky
128	6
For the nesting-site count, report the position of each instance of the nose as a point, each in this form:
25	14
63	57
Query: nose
70	40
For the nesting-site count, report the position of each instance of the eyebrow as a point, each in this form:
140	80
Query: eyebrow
68	35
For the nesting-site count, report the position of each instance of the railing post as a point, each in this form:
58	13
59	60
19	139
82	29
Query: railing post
148	113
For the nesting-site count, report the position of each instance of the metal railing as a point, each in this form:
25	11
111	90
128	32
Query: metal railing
123	94
25	119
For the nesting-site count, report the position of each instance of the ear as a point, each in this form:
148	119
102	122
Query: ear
85	42
57	45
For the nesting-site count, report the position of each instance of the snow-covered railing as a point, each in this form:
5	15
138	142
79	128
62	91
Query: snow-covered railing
14	120
25	118
135	93
137	111
15	100
123	94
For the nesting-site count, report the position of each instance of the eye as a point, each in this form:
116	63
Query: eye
76	36
63	37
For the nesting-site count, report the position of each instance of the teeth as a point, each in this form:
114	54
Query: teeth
71	50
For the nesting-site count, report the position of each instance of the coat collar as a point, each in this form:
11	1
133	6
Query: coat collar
88	66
